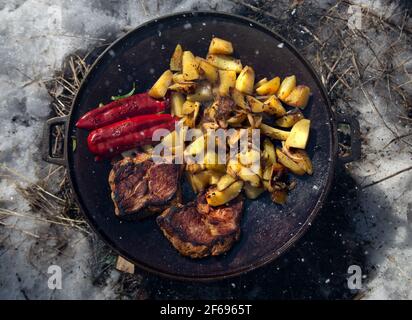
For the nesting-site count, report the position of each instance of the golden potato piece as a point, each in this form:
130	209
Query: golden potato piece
260	82
176	60
224	182
209	71
188	121
289	119
227	81
220	46
215	197
247	175
190	113
201	180
269	87
188	107
273	132
252	192
233	167
225	62
174	141
299	97
299	135
170	140
215	177
268	154
178	78
176	104
286	87
255	105
196	147
289	163
160	87
233	138
249	157
274	107
258	170
246	80
190	66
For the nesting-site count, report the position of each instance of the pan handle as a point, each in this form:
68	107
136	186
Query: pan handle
355	142
46	147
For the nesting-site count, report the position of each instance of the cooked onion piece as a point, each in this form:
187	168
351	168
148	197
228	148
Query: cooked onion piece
274	133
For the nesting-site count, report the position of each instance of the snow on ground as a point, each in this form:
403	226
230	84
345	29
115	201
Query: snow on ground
36	35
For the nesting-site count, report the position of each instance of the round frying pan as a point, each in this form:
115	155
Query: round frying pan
141	56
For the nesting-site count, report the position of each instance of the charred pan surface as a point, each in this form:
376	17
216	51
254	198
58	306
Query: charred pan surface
140	187
198	230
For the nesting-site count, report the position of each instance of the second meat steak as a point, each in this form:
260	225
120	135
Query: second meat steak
198	230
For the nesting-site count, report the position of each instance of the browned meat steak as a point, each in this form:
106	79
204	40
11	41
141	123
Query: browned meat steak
138	183
198	230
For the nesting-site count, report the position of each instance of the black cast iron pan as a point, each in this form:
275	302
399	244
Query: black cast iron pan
141	56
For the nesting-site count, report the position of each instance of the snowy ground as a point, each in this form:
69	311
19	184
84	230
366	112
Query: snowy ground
36	35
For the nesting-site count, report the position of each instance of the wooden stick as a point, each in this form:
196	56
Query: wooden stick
123	265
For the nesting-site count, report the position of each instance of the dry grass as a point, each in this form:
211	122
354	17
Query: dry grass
52	196
54	207
63	88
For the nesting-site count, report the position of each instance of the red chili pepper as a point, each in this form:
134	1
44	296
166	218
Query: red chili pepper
121	109
127	134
